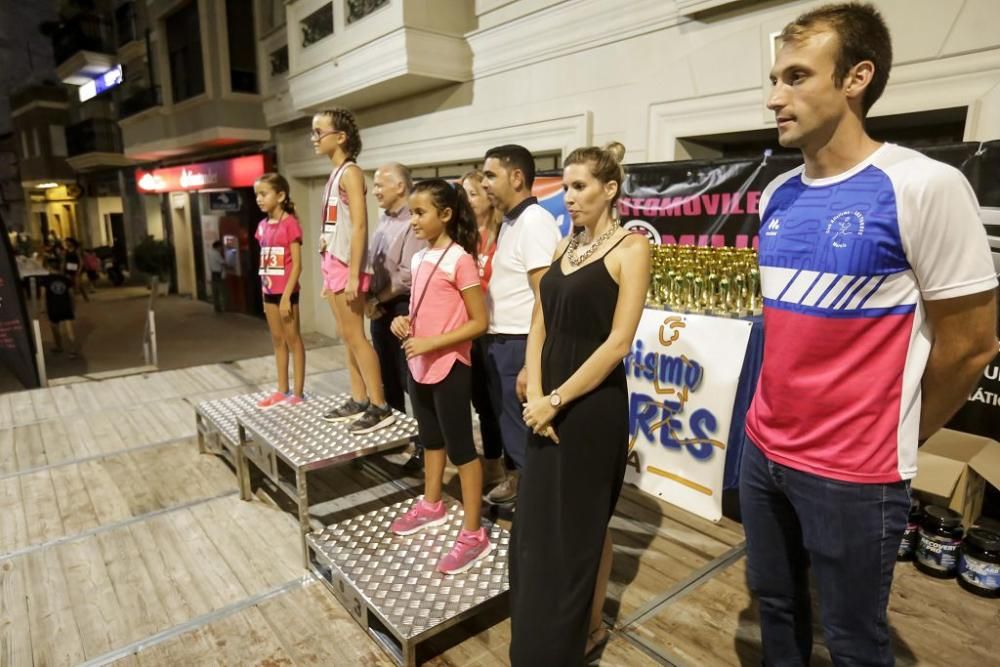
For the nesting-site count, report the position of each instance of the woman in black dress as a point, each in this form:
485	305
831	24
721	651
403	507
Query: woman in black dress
591	301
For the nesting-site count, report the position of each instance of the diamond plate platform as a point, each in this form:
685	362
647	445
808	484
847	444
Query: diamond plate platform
287	442
389	584
216	422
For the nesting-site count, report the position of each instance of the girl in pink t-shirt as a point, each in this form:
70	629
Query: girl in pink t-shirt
280	239
447	311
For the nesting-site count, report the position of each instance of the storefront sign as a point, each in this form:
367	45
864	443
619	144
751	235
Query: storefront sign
103	83
683	373
239	172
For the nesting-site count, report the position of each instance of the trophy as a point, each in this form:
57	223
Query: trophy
714	281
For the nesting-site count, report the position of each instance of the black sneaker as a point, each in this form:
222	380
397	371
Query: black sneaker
416	462
348	410
373	419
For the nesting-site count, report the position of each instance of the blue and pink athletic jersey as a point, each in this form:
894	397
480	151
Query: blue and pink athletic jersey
846	264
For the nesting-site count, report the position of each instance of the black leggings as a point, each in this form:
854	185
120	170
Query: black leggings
443	415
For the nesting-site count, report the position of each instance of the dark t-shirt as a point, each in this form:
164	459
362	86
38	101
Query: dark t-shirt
59	298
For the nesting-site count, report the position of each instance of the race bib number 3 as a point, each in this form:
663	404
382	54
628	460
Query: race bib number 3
272	261
330	219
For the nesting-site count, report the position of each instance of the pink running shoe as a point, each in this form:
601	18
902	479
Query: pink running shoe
421	515
274	400
469	548
294	400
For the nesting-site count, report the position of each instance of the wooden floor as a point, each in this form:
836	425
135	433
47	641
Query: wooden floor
119	544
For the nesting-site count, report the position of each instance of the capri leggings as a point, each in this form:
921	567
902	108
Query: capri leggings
443	415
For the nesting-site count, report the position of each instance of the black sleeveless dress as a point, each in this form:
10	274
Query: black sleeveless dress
568	491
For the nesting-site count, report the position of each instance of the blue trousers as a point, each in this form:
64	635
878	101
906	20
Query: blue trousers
847	533
505	356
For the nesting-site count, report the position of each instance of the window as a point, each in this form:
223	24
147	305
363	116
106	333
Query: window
38	144
187	72
279	61
317	25
25	149
57	138
358	9
125	23
242	46
272	15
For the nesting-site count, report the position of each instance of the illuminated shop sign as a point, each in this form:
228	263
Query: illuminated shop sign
107	81
239	172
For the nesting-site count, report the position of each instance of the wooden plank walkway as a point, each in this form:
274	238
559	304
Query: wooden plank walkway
119	544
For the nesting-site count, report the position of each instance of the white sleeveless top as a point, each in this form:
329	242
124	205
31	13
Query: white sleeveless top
336	230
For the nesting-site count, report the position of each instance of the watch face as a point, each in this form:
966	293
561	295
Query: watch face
555	400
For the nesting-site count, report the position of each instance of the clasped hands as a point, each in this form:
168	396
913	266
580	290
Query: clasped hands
412	347
538	414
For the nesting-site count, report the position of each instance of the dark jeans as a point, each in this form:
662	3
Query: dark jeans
391	360
489	424
218	293
506	359
848	533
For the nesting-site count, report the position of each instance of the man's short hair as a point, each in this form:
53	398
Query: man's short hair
402	172
863	35
513	156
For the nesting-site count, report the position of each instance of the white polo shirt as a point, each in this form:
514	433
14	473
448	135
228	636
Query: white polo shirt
527	241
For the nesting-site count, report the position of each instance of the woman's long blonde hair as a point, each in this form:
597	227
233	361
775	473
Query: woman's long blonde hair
496	217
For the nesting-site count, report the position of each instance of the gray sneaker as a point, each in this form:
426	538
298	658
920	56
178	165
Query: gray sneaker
506	492
373	419
348	410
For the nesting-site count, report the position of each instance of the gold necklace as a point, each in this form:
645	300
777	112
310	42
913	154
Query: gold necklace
574	243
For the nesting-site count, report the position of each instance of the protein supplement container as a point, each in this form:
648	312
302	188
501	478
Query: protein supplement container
979	563
940	539
912	533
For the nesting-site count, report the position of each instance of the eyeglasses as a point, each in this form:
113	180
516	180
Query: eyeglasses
319	136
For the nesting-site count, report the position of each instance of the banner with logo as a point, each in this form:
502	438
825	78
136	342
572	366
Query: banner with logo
683	373
16	349
716	202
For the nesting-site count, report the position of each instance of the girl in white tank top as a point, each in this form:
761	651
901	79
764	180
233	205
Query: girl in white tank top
346	269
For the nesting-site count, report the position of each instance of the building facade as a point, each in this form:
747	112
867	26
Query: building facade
671	79
191	105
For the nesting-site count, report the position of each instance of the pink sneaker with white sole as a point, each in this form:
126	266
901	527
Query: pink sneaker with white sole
421	514
294	400
469	548
272	401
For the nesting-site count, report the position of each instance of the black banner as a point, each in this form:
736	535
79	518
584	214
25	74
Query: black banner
699	202
716	202
16	348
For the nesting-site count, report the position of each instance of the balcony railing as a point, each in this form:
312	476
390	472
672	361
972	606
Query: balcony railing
136	100
358	9
97	135
81	33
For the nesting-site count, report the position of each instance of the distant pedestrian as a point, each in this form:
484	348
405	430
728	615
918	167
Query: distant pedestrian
60	310
217	267
73	266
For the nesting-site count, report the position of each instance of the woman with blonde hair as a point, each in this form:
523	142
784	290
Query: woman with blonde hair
591	300
488	219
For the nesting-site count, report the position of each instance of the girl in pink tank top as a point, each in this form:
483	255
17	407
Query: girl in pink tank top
280	239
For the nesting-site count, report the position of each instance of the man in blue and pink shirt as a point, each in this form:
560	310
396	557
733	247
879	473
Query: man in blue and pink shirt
879	315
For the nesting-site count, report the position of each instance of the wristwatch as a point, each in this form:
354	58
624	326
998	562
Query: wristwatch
555	400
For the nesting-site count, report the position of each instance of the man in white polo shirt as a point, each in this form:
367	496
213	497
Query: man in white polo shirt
525	247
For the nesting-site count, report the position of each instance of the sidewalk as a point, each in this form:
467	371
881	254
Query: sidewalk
109	329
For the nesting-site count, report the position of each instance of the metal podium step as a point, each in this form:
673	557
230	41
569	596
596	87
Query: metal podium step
288	442
389	584
218	432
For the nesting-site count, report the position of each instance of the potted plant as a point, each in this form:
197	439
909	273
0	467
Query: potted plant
154	257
